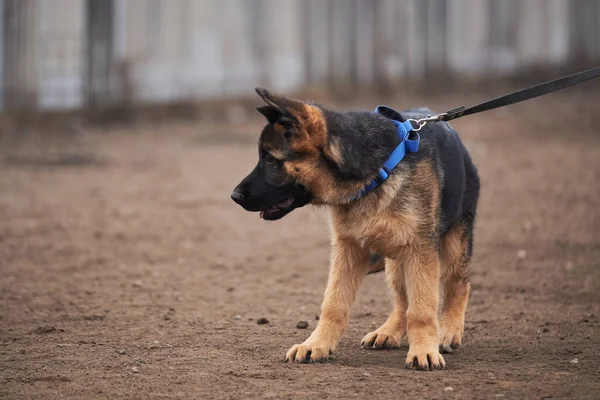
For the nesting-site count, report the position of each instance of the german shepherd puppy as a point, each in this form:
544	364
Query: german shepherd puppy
418	223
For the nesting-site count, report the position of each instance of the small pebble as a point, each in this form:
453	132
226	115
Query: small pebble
237	317
521	254
366	374
121	352
169	314
499	395
570	266
448	389
317	317
302	324
262	321
135	370
574	361
94	317
44	329
137	283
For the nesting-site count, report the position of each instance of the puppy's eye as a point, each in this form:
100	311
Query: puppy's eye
289	132
287	124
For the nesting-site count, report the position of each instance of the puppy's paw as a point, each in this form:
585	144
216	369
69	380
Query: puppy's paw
450	337
382	338
309	352
424	359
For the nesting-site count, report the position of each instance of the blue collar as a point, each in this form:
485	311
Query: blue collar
403	129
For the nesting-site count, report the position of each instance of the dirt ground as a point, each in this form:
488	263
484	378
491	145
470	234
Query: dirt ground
128	272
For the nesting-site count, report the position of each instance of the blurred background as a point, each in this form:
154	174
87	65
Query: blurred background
126	271
72	54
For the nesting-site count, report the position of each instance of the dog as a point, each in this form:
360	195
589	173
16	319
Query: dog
417	225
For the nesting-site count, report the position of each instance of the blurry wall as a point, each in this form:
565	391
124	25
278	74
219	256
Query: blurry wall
66	54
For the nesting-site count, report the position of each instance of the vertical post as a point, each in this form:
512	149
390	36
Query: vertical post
391	42
317	38
558	31
417	39
306	40
583	30
502	36
19	53
99	35
121	87
258	22
435	49
342	37
364	41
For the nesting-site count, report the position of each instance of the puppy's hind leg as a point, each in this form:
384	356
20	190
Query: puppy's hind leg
390	334
455	258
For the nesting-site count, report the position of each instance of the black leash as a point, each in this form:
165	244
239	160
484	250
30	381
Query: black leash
511	98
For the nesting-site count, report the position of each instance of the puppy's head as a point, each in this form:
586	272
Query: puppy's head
295	160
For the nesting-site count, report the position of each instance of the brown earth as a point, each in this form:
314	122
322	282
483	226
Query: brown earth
127	272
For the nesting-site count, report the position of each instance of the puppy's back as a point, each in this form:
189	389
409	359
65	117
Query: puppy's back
441	145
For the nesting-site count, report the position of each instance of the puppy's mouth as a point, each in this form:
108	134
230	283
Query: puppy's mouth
278	210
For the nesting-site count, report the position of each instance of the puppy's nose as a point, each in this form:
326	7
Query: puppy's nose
237	196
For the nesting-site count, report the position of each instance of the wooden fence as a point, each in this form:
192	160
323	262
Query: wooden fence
79	53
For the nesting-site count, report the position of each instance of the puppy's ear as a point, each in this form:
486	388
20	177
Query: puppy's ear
271	114
286	107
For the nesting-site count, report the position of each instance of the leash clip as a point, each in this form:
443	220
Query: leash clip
420	123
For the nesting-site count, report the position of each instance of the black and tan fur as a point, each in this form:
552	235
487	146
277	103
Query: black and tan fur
418	223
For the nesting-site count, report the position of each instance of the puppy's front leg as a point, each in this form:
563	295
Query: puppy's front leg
422	270
349	266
